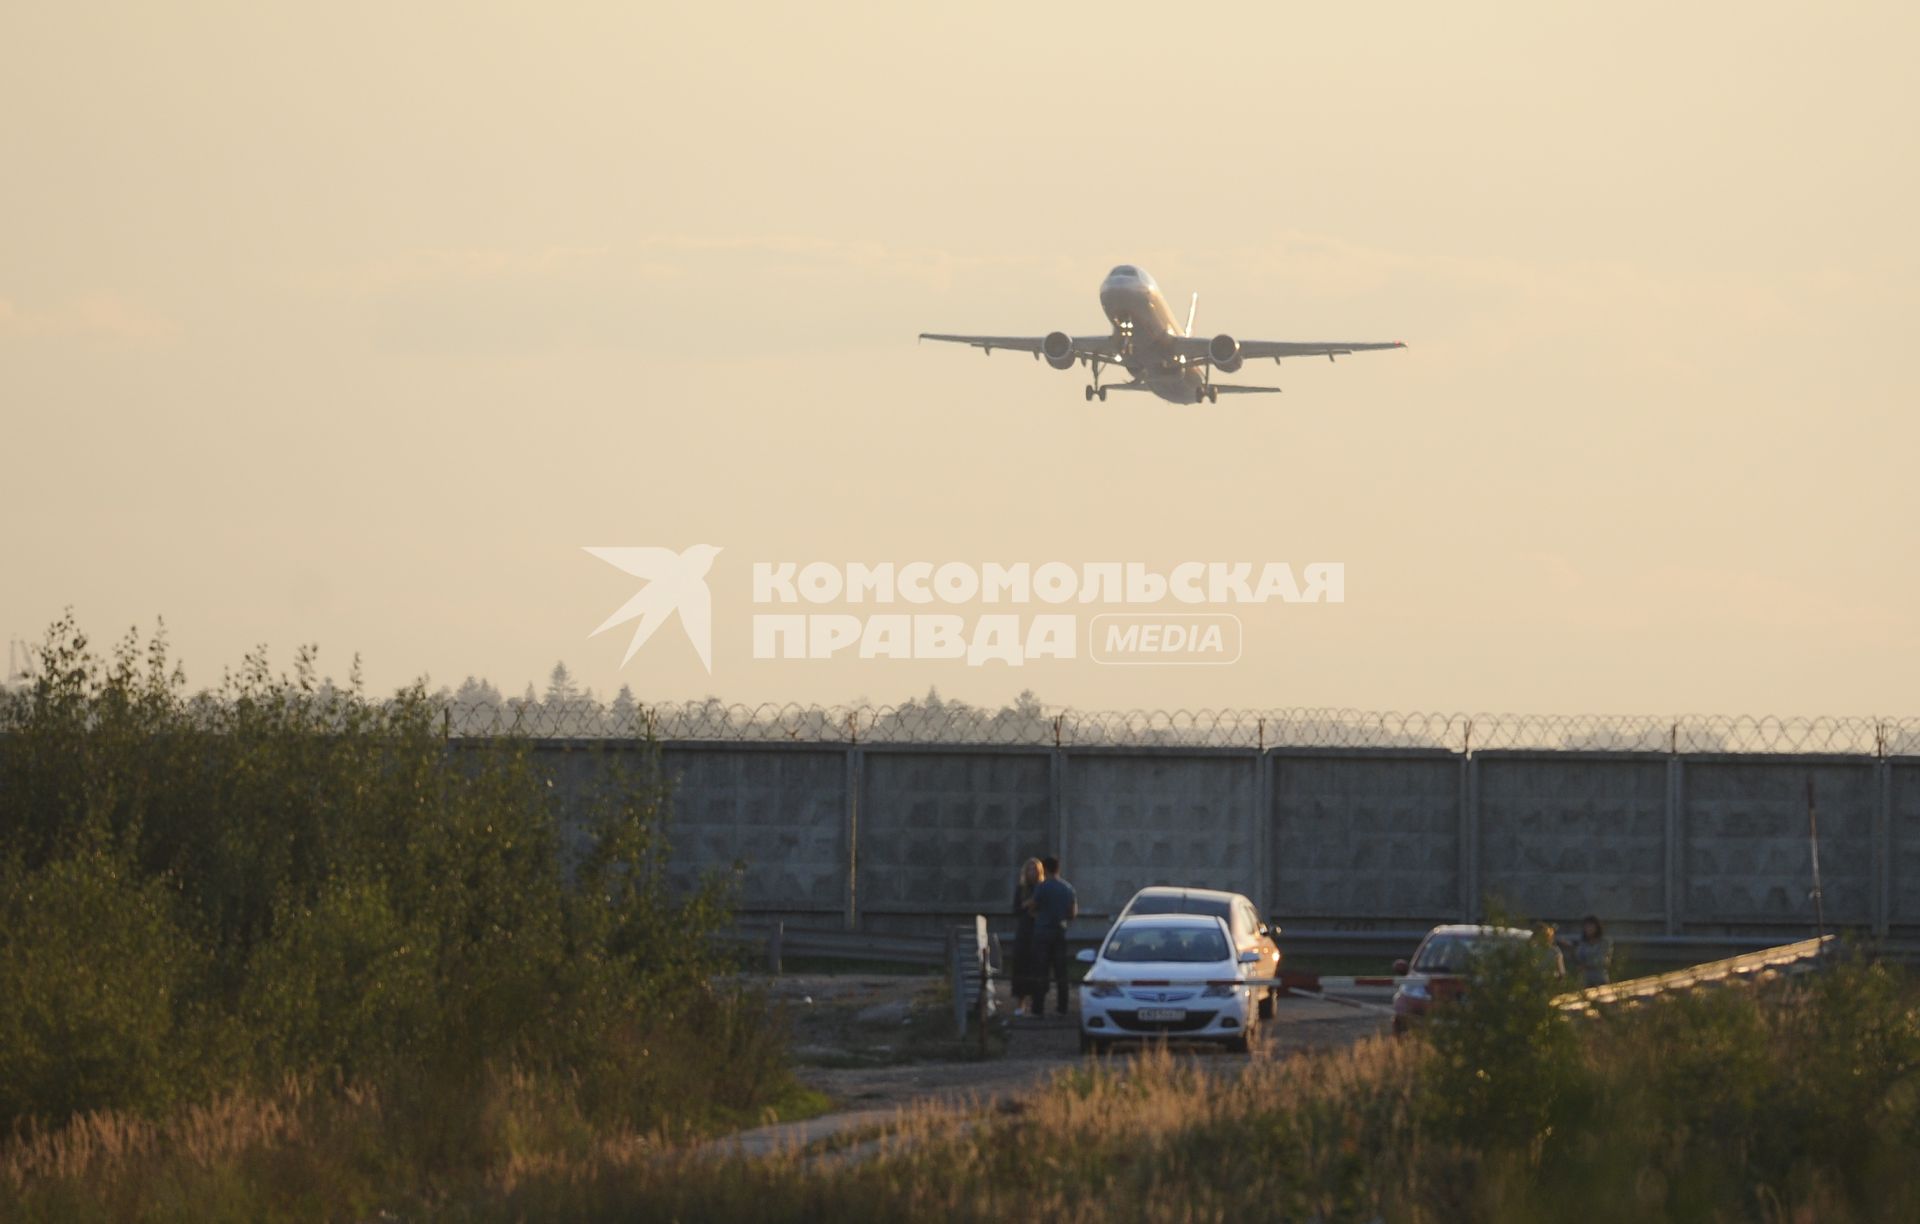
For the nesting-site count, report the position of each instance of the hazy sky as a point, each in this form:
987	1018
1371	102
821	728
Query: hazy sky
352	324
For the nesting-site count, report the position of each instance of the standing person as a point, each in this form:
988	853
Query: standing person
1028	985
1054	906
1543	938
1593	953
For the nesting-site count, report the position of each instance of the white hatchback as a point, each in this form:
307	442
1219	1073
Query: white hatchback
1167	975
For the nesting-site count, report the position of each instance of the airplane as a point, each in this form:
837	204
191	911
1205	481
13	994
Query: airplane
1172	363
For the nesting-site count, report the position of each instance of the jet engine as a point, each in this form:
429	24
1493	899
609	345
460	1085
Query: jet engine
1057	348
1224	351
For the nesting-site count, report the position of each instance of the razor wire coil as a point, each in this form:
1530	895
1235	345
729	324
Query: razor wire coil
955	723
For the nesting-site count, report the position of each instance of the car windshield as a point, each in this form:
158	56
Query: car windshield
1186	945
1179	903
1450	953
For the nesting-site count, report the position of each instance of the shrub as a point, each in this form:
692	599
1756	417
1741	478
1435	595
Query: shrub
96	984
284	877
1506	1061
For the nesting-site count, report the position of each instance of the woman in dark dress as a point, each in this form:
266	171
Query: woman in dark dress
1027	984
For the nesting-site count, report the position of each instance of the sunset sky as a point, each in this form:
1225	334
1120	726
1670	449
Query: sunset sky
354	324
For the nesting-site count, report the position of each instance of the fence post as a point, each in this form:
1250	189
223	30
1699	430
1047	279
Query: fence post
1267	878
1053	802
1883	851
1058	824
1676	798
775	938
1469	839
856	763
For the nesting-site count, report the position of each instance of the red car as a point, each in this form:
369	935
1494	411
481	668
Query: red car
1438	970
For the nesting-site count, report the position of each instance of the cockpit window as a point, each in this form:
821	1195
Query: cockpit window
1125	270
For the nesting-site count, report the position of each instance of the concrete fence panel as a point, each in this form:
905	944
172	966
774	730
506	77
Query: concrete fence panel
946	831
1748	859
1141	817
781	812
1372	836
1567	835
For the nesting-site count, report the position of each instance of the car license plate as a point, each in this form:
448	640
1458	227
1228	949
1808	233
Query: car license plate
1160	1015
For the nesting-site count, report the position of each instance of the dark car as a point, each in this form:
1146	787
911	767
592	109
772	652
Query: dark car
1438	971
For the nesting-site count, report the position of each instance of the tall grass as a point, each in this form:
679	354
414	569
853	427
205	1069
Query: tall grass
1787	1101
1790	1101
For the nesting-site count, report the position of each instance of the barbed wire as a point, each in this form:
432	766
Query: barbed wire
1033	726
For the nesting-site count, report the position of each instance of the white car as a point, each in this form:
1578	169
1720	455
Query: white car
1242	919
1168	975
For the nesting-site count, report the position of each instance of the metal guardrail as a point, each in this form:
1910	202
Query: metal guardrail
932	950
843	945
1786	959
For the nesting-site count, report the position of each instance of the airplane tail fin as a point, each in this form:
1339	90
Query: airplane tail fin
1192	306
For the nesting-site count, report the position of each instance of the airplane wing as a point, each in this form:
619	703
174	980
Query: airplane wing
1250	349
1194	348
1101	346
1222	388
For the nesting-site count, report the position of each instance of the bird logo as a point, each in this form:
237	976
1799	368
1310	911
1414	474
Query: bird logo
676	582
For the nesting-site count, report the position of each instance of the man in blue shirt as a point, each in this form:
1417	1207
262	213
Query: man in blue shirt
1054	906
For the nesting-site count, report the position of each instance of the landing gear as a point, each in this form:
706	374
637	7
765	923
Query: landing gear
1094	388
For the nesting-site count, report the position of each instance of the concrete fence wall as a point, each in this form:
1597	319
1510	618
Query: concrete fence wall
900	837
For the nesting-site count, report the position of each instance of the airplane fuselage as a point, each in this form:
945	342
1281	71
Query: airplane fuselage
1141	317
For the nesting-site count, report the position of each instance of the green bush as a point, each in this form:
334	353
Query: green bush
285	878
1506	1062
97	982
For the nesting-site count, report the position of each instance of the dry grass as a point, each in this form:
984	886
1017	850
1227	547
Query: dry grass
1799	1103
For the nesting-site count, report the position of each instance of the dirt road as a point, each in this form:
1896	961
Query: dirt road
876	1044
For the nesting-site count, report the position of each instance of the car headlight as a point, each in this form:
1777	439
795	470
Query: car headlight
1219	990
1101	990
1413	990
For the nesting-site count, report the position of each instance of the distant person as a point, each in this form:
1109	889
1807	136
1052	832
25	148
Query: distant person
1543	937
1054	906
1029	985
1592	953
